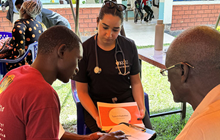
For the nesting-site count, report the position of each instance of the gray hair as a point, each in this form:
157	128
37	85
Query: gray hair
199	46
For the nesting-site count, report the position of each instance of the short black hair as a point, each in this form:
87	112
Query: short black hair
198	46
55	36
19	2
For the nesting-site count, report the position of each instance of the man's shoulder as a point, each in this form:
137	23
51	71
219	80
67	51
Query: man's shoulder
25	80
47	12
26	75
204	125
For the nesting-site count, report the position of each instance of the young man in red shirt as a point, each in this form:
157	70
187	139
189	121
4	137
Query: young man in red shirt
29	106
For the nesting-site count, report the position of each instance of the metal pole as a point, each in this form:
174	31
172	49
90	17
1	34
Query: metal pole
76	18
216	25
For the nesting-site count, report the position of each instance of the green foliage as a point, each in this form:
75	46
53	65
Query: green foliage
68	107
150	46
83	2
160	99
142	47
218	28
97	1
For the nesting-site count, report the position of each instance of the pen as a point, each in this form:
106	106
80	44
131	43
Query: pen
138	127
101	134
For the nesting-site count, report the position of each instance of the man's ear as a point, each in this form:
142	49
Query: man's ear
61	49
185	73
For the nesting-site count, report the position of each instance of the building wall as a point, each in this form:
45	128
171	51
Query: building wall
184	16
87	20
5	24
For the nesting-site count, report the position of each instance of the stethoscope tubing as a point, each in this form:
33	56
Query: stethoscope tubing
117	46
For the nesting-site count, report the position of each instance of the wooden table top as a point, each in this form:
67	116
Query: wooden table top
156	58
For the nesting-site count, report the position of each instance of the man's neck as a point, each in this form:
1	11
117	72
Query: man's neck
45	69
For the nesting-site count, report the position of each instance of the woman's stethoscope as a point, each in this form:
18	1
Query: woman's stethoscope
98	70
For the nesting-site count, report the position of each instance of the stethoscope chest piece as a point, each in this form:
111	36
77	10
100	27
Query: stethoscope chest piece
117	63
97	70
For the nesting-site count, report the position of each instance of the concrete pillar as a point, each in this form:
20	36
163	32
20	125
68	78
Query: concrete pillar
165	11
161	9
168	9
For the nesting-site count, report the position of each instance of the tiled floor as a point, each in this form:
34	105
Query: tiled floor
143	33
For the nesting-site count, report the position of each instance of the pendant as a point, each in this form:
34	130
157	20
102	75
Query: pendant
97	70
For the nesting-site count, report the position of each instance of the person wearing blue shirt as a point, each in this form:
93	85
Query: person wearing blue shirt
11	11
47	17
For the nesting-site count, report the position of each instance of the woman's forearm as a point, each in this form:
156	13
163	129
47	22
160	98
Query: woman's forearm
137	91
85	99
88	104
138	95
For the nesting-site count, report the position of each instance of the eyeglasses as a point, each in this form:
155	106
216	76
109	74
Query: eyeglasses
113	4
164	72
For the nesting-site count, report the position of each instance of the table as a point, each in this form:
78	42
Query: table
157	58
126	14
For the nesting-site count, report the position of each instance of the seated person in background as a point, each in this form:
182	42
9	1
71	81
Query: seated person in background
148	10
30	110
48	17
110	69
138	7
25	31
193	67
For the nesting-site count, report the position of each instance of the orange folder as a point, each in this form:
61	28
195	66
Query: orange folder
111	114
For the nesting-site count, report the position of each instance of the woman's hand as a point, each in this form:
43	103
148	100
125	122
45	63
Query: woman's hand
21	52
98	122
142	114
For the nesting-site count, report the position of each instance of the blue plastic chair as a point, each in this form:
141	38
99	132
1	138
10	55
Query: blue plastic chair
82	129
5	34
32	47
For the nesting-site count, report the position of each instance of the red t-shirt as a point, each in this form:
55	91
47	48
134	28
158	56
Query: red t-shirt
145	1
29	106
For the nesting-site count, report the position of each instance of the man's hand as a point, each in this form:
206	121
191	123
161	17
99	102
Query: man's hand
73	136
3	8
118	135
94	136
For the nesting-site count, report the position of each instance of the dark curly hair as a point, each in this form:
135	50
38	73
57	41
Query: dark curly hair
55	36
